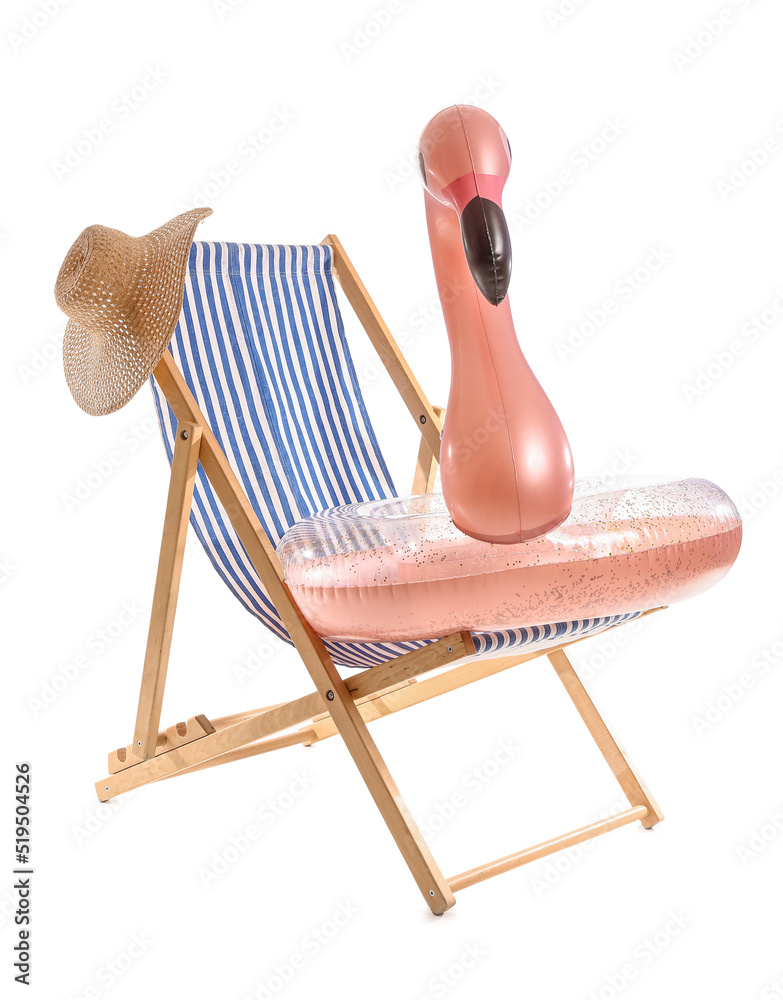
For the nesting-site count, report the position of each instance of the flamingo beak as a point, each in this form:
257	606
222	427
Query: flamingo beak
487	245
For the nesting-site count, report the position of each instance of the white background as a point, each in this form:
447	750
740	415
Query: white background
687	102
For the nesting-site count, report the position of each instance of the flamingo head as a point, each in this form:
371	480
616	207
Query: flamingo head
464	162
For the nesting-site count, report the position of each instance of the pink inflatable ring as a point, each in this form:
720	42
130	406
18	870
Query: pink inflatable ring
397	569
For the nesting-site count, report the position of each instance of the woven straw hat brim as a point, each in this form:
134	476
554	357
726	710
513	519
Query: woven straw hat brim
123	296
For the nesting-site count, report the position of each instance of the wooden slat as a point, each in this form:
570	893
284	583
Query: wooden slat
418	661
392	357
255	728
196	728
505	864
223	721
615	756
264	746
164	602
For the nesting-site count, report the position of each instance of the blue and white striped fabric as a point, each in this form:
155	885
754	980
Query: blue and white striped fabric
260	342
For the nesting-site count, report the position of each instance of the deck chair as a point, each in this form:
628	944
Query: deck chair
264	423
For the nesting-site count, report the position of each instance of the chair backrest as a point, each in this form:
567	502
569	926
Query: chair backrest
260	342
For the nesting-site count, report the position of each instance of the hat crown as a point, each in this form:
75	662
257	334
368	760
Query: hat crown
93	278
71	268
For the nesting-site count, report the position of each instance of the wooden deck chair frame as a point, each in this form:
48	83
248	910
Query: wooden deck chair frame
337	705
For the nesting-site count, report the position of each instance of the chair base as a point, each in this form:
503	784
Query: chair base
375	693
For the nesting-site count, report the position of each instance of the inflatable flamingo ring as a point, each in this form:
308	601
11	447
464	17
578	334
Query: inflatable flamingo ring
506	467
513	549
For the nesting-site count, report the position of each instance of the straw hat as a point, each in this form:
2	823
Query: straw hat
122	295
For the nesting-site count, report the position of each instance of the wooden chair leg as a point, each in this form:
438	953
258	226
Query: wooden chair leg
426	464
164	602
624	771
361	746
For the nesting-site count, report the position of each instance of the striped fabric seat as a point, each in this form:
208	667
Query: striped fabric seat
261	344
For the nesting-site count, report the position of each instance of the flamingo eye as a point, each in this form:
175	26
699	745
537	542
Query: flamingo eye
422	170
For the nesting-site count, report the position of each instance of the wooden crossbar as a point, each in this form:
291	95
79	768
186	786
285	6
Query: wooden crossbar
242	753
510	861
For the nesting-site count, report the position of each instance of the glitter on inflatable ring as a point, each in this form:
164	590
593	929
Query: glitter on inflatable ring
398	569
